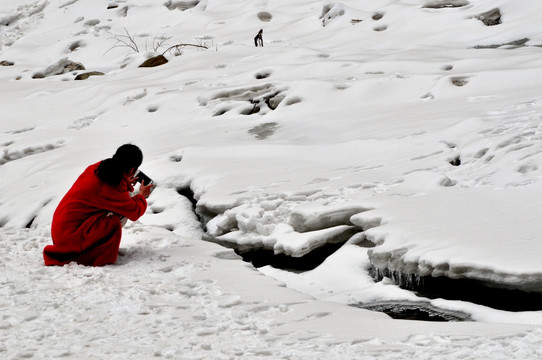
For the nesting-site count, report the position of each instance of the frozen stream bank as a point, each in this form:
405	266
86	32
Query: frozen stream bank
492	294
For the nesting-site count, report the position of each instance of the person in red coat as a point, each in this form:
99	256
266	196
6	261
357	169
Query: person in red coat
87	224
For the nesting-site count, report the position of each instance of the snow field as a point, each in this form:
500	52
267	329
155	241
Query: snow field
172	297
415	128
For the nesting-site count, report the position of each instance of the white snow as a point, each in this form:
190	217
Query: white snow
411	124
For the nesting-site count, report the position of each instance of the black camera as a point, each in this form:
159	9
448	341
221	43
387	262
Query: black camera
142	178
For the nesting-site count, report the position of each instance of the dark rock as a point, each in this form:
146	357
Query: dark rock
86	75
6	63
274	101
75	45
377	16
265	16
154	61
460	80
491	17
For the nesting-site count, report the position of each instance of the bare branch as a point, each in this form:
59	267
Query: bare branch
131	41
158	42
128	41
124	41
179	46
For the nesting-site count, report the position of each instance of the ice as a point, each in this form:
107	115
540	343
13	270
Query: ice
407	131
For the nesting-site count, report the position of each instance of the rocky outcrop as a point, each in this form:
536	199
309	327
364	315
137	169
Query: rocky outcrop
62	66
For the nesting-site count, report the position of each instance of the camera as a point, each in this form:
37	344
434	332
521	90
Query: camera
142	178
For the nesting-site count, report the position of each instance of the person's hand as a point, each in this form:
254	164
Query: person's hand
132	180
145	190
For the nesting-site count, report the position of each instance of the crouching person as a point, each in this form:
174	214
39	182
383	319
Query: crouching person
87	224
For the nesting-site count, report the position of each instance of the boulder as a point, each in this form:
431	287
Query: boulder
154	61
491	17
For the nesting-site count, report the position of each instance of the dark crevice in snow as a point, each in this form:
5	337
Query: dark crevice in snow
189	194
474	291
422	311
456	161
31	222
260	256
263	257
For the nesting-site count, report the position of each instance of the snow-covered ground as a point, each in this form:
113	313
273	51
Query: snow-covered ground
413	125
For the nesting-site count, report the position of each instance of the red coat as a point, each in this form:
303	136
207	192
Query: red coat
83	228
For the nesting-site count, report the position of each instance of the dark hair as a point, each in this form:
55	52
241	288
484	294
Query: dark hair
126	158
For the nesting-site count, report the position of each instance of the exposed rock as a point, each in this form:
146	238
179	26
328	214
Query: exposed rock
181	5
60	67
86	75
154	61
459	80
6	63
73	66
441	4
75	45
265	16
330	12
510	45
274	101
92	22
377	16
491	17
263	131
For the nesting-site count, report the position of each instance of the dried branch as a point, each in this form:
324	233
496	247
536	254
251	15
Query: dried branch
124	41
179	46
157	43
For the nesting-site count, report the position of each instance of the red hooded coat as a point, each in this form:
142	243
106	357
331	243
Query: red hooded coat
83	230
